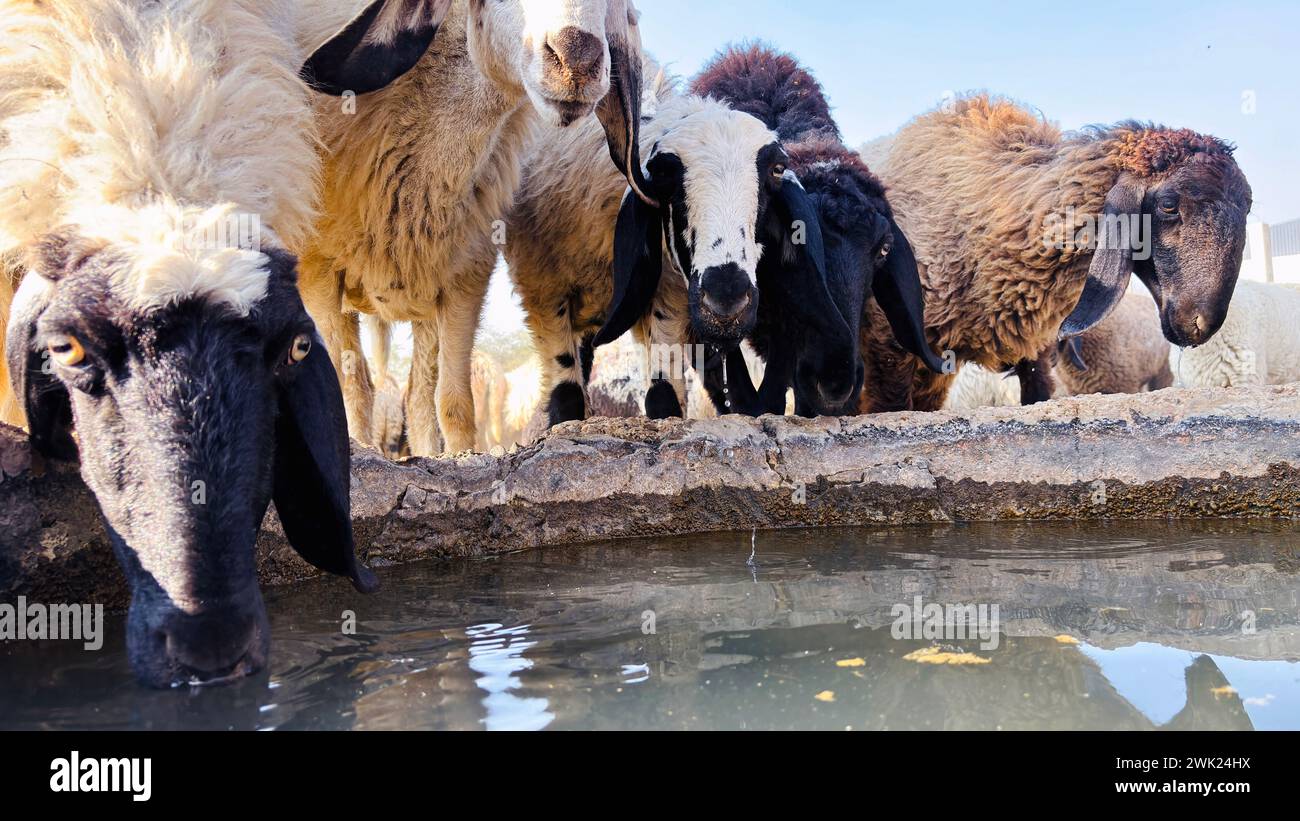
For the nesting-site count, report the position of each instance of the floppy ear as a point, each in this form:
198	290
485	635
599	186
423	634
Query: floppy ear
897	289
381	43
1112	262
638	262
620	111
809	296
313	469
43	397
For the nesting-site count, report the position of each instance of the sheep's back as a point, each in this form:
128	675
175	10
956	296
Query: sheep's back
975	185
1256	344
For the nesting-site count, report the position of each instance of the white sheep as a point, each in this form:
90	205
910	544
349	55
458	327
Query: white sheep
1257	344
687	273
978	387
424	139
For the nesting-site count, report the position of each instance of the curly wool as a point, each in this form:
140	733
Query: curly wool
982	187
1125	352
1255	346
771	86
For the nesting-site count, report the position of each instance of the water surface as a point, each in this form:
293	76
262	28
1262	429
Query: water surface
1119	626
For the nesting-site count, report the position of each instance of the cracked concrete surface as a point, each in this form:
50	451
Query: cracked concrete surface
1215	453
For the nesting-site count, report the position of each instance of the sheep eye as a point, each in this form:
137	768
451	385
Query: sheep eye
778	170
1169	205
67	351
300	348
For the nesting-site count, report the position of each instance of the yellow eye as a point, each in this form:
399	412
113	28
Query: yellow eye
300	348
67	351
778	170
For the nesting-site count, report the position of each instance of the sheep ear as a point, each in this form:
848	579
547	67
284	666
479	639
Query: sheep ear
381	43
313	469
800	240
44	398
897	289
1112	262
620	111
637	266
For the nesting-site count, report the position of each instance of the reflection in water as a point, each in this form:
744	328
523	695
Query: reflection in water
1191	625
497	655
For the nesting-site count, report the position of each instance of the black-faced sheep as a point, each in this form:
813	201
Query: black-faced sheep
865	252
686	274
155	160
999	203
422	167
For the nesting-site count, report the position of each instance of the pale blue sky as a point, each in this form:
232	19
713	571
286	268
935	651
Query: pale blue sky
1184	64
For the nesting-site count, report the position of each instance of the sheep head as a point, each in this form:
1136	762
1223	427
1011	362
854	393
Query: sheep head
1190	192
570	58
720	177
195	401
810	330
867	256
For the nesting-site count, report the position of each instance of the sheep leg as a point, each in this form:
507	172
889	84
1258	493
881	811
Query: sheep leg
10	410
667	359
1036	384
457	326
551	321
322	296
422	389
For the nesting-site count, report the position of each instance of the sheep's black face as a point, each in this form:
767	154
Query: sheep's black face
1198	218
186	427
858	240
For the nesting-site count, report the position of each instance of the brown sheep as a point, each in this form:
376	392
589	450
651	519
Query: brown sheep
489	388
389	420
997	202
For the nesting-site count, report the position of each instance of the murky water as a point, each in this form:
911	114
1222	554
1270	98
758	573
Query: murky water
1123	626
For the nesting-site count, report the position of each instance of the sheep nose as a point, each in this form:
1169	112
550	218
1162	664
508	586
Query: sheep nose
726	309
576	55
726	291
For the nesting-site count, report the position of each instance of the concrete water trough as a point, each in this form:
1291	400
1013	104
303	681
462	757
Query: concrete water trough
1175	453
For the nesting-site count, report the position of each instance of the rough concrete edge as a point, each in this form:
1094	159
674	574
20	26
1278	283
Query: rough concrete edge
1172	453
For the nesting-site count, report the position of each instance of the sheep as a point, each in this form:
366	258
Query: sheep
422	164
489	388
1256	345
722	178
977	387
11	412
1024	234
390	421
619	380
523	423
133	138
866	253
1124	353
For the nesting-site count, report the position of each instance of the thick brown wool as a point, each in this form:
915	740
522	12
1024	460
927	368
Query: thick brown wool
769	85
979	186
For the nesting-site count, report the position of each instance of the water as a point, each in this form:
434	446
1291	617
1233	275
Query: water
1122	626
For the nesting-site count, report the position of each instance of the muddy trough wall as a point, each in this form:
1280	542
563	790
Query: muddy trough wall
1170	454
